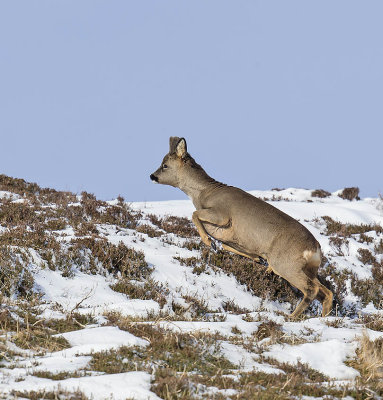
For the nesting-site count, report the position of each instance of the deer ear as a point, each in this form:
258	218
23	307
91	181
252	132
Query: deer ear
181	149
173	141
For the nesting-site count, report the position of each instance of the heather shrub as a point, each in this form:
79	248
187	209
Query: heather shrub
320	193
350	193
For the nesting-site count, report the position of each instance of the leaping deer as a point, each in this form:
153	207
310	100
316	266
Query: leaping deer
247	226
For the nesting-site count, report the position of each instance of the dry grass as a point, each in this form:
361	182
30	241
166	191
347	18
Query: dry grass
172	353
28	331
371	321
269	329
369	362
39	340
49	395
298	381
335	323
59	376
74	321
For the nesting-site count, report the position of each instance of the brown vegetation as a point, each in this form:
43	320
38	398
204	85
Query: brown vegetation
183	365
369	362
346	230
320	193
253	276
350	193
180	226
366	257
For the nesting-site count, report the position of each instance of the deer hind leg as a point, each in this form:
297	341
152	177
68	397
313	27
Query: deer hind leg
310	289
229	248
325	296
256	259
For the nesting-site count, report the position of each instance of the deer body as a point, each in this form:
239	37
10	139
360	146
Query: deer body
247	225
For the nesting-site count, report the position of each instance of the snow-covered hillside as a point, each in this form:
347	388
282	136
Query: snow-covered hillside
122	300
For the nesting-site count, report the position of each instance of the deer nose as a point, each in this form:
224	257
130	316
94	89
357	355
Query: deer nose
153	178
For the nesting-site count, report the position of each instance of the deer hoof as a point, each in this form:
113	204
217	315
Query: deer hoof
213	245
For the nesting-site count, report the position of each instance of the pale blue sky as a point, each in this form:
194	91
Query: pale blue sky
266	93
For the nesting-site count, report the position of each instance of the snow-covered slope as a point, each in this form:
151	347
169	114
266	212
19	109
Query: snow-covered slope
183	291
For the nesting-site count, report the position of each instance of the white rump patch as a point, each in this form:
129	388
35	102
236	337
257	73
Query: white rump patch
312	257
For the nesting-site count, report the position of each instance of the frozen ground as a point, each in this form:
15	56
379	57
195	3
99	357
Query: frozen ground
324	344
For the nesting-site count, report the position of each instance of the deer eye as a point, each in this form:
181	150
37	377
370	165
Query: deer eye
164	166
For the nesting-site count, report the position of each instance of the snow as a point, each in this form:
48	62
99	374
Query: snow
327	357
246	360
224	328
179	208
320	330
214	288
97	339
323	346
331	348
83	342
134	385
57	362
9	195
93	291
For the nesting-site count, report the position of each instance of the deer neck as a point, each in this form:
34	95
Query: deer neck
195	182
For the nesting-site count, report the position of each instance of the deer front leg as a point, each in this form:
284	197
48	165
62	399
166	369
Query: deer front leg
210	216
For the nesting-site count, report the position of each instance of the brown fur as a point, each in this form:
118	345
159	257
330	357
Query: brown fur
247	225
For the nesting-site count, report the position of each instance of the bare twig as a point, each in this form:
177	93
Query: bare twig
87	296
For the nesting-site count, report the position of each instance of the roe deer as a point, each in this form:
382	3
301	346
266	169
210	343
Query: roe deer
247	226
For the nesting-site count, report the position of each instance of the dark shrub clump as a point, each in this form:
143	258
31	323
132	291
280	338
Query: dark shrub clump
320	193
350	193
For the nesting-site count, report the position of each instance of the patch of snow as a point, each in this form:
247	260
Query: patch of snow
222	327
56	363
121	386
9	195
93	291
86	341
327	357
354	212
245	360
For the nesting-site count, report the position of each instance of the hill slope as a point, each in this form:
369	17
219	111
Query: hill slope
123	299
